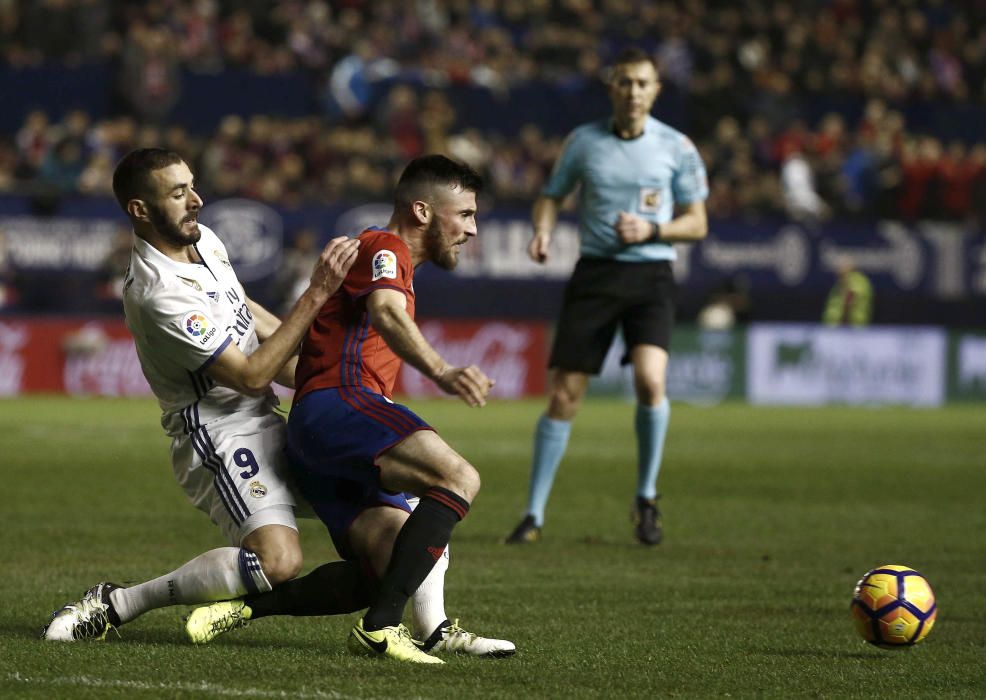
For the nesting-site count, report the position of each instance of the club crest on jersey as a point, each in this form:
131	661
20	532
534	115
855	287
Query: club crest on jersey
384	265
257	490
198	326
222	258
650	200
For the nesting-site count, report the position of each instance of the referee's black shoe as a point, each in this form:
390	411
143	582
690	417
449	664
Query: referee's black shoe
526	532
647	518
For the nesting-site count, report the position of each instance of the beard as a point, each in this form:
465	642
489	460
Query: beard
439	251
170	230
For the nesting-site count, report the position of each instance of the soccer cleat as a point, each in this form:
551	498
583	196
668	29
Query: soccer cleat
392	642
526	532
647	517
89	618
208	622
449	637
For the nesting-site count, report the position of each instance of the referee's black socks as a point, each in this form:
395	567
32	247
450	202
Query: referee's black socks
418	546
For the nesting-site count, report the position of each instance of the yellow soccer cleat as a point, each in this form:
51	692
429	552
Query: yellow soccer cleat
391	642
210	621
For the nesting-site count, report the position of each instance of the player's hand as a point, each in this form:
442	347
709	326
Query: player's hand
537	249
633	229
468	383
333	264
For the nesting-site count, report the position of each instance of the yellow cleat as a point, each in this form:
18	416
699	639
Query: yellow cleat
210	621
392	642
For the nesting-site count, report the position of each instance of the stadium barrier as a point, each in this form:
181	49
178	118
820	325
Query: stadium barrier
96	356
795	364
922	273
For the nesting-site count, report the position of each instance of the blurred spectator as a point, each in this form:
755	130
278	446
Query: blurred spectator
8	289
728	305
751	81
801	200
850	303
977	195
62	167
350	85
113	270
295	270
33	140
149	74
97	177
920	189
398	120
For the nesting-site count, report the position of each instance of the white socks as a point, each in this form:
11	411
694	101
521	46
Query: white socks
215	575
428	602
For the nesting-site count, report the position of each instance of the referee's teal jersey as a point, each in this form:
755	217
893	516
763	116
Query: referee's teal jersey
646	176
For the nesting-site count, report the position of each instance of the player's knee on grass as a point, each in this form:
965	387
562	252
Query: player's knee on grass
281	565
279	551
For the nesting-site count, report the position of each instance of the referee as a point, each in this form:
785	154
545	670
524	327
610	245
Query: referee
643	187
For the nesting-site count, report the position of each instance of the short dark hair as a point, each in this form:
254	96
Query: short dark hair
633	54
427	172
132	177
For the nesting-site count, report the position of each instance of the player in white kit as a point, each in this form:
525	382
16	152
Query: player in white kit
198	339
210	354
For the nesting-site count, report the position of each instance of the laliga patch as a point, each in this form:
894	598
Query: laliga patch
384	265
198	326
650	200
257	490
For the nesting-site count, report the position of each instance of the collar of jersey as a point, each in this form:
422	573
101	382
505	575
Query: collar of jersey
649	124
146	250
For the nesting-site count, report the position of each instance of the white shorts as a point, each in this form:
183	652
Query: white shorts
234	470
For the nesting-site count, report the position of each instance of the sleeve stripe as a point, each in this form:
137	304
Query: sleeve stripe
217	353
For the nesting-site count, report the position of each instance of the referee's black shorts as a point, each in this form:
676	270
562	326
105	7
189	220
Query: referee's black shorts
637	296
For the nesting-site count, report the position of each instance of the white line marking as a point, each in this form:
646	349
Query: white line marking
200	687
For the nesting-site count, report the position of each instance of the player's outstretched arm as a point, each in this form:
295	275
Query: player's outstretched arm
388	314
266	324
263	320
252	374
544	216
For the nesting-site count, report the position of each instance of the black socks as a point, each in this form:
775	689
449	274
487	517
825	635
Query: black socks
332	589
418	546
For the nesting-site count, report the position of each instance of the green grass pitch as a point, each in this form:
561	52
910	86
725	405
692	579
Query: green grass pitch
771	514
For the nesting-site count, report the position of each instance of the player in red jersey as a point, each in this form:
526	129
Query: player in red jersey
354	451
356	454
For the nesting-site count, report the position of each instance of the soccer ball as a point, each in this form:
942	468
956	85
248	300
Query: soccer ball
893	606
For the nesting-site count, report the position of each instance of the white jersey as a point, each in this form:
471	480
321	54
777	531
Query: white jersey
182	316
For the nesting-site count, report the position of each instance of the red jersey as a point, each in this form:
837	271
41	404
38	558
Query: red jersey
342	348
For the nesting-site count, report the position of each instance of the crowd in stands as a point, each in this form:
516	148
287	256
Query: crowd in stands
744	70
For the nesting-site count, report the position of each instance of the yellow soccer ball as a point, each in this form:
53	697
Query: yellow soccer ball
893	606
